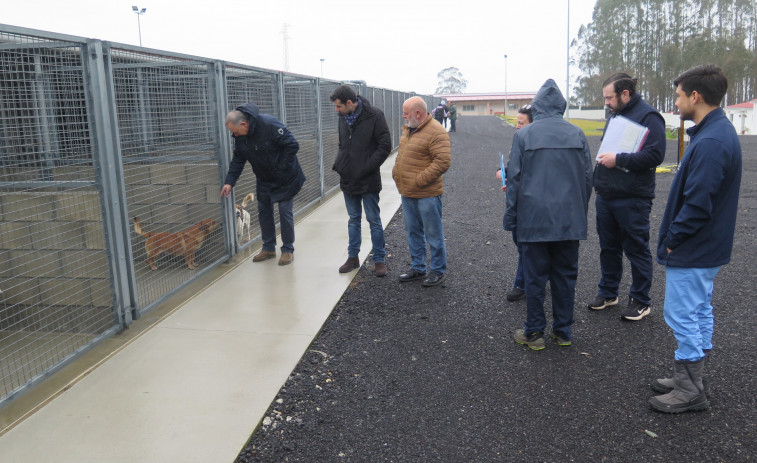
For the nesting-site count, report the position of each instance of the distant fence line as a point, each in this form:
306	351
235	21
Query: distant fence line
93	134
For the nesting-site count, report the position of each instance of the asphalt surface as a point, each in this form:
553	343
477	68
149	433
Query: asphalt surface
404	373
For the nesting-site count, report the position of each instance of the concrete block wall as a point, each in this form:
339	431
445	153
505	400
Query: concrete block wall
172	198
54	273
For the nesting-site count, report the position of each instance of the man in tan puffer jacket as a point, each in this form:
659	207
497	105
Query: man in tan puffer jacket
423	158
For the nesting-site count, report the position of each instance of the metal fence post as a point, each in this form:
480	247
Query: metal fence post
101	109
282	98
218	97
319	135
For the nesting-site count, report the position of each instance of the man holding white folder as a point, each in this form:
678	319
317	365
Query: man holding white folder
625	182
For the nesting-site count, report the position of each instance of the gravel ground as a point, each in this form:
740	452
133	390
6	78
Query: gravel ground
403	373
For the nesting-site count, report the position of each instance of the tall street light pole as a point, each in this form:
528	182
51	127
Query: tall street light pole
139	25
322	60
505	85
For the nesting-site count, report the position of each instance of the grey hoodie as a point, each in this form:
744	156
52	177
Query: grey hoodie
549	175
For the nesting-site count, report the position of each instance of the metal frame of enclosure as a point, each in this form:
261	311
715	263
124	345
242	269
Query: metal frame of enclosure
94	134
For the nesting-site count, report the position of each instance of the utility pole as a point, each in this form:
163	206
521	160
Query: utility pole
285	33
505	85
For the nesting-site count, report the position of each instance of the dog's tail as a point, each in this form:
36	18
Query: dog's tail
138	226
247	199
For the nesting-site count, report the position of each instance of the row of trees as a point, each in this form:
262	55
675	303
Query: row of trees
655	40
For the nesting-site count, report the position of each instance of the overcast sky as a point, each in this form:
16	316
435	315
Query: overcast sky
399	45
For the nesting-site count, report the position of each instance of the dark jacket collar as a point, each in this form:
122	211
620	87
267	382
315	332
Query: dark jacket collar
715	113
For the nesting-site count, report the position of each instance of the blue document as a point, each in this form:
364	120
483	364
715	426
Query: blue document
502	168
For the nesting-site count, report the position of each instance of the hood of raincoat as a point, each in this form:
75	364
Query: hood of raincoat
548	101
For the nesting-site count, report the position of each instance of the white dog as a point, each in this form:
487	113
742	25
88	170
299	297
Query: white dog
243	217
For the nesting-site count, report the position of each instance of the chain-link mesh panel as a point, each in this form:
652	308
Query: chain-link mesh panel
301	119
59	137
330	133
262	88
170	168
55	289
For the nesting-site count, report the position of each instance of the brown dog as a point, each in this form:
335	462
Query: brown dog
184	243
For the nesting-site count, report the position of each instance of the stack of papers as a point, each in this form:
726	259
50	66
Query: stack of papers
623	136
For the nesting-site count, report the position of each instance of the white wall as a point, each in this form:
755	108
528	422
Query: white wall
743	119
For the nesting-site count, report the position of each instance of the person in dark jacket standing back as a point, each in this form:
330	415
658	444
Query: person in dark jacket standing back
364	145
625	184
440	113
696	234
271	150
452	117
548	190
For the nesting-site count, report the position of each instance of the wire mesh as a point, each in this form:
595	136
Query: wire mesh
300	101
330	134
245	85
69	109
55	292
170	168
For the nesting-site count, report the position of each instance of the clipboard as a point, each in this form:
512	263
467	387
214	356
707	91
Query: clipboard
623	136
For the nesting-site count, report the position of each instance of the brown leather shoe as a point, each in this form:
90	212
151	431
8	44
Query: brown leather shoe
264	255
286	258
351	264
379	269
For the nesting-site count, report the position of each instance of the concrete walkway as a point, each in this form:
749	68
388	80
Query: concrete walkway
193	387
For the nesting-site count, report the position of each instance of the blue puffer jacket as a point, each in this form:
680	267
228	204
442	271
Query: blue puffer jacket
549	174
271	150
700	217
635	175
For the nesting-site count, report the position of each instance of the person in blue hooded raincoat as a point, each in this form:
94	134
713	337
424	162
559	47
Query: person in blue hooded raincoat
271	150
549	179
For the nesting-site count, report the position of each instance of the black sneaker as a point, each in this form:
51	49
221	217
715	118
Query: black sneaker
412	275
600	302
635	310
434	278
534	341
515	294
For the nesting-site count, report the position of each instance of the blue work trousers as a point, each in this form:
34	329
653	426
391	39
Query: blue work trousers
623	227
556	262
519	282
688	309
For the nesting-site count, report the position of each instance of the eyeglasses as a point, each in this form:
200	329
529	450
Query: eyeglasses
526	107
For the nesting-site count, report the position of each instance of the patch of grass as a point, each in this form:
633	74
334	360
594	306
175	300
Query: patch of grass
591	128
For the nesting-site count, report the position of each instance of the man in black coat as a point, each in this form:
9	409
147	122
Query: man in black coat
625	184
271	150
364	145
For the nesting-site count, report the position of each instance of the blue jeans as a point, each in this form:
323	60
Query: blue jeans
623	226
355	205
519	282
423	223
268	223
688	309
556	262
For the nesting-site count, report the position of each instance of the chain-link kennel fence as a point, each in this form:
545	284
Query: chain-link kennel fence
95	136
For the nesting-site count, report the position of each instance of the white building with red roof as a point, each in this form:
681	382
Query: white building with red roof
743	117
487	104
